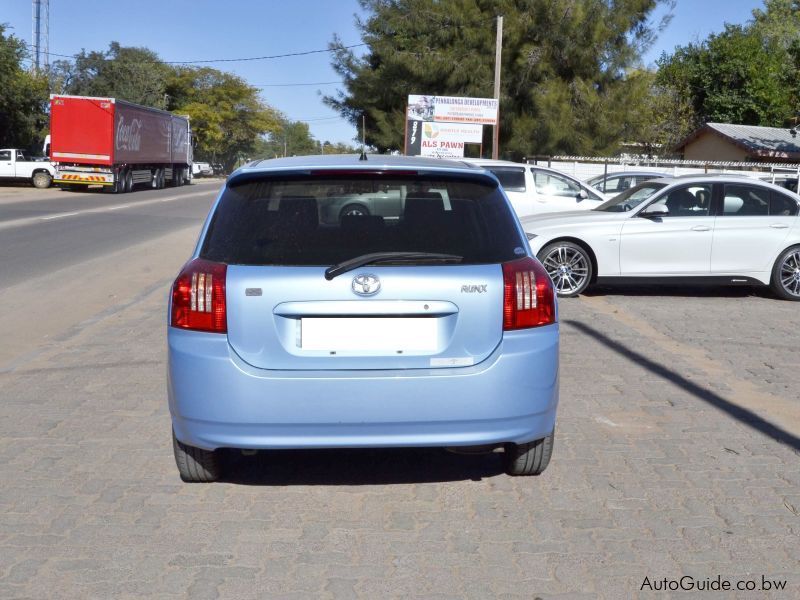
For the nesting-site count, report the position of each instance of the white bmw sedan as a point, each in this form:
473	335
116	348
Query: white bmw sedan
697	229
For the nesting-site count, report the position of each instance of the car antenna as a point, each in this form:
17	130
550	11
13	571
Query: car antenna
363	138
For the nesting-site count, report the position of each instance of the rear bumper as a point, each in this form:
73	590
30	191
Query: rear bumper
216	400
84	176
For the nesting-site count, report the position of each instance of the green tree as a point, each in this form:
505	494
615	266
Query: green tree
133	74
23	97
293	138
657	117
779	22
747	74
226	113
564	87
290	138
339	148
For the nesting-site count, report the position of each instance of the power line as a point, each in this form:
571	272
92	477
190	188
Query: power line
266	85
319	119
446	24
216	60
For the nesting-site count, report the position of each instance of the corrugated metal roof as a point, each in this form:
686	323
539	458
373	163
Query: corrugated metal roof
763	141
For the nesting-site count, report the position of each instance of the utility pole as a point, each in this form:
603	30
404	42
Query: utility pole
498	51
363	138
41	34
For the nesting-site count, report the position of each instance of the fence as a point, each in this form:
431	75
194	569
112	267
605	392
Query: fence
584	167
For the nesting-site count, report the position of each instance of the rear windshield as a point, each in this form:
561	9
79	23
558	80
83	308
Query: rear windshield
511	178
324	221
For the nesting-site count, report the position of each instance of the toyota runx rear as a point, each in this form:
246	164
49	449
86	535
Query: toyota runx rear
422	317
337	303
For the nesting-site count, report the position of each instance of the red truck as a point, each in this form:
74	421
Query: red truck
117	144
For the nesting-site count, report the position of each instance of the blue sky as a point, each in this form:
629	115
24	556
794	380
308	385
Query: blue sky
211	29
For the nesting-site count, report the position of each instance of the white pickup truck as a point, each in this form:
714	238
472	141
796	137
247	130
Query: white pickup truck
15	166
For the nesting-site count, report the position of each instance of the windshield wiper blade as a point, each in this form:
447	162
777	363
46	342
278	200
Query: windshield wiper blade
376	257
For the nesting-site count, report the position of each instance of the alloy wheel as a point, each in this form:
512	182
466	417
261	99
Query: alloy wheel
568	267
790	273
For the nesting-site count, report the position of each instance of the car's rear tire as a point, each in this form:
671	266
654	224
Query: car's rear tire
569	266
531	458
354	210
785	280
195	465
41	180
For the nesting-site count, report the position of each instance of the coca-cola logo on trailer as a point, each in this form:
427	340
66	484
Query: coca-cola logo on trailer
129	136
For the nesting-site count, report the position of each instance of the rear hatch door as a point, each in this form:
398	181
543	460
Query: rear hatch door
427	313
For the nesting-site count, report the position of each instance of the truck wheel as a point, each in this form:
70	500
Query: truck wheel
174	181
195	465
531	458
41	180
154	180
128	181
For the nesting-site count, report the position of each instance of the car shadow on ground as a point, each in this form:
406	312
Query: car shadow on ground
357	466
683	291
743	415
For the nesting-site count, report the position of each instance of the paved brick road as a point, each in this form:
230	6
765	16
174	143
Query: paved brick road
665	465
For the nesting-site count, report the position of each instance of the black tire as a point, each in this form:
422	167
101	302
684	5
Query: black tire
174	181
569	266
195	465
354	210
127	182
785	280
531	458
41	180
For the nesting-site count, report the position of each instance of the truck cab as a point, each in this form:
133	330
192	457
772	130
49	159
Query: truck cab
16	166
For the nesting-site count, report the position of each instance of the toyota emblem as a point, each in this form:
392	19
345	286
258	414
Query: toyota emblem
366	284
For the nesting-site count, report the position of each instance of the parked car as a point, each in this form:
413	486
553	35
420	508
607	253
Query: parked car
701	229
202	169
436	329
533	189
788	181
16	166
612	184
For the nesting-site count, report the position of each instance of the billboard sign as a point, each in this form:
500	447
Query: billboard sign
453	109
446	140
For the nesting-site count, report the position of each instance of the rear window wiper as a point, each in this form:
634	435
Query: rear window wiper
377	257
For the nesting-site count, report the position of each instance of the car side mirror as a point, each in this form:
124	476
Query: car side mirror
582	195
654	210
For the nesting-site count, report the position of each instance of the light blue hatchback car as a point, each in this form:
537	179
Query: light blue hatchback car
426	324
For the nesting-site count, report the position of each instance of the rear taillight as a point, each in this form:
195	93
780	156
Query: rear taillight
198	297
528	298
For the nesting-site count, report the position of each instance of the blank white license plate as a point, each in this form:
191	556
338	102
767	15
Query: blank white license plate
375	334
